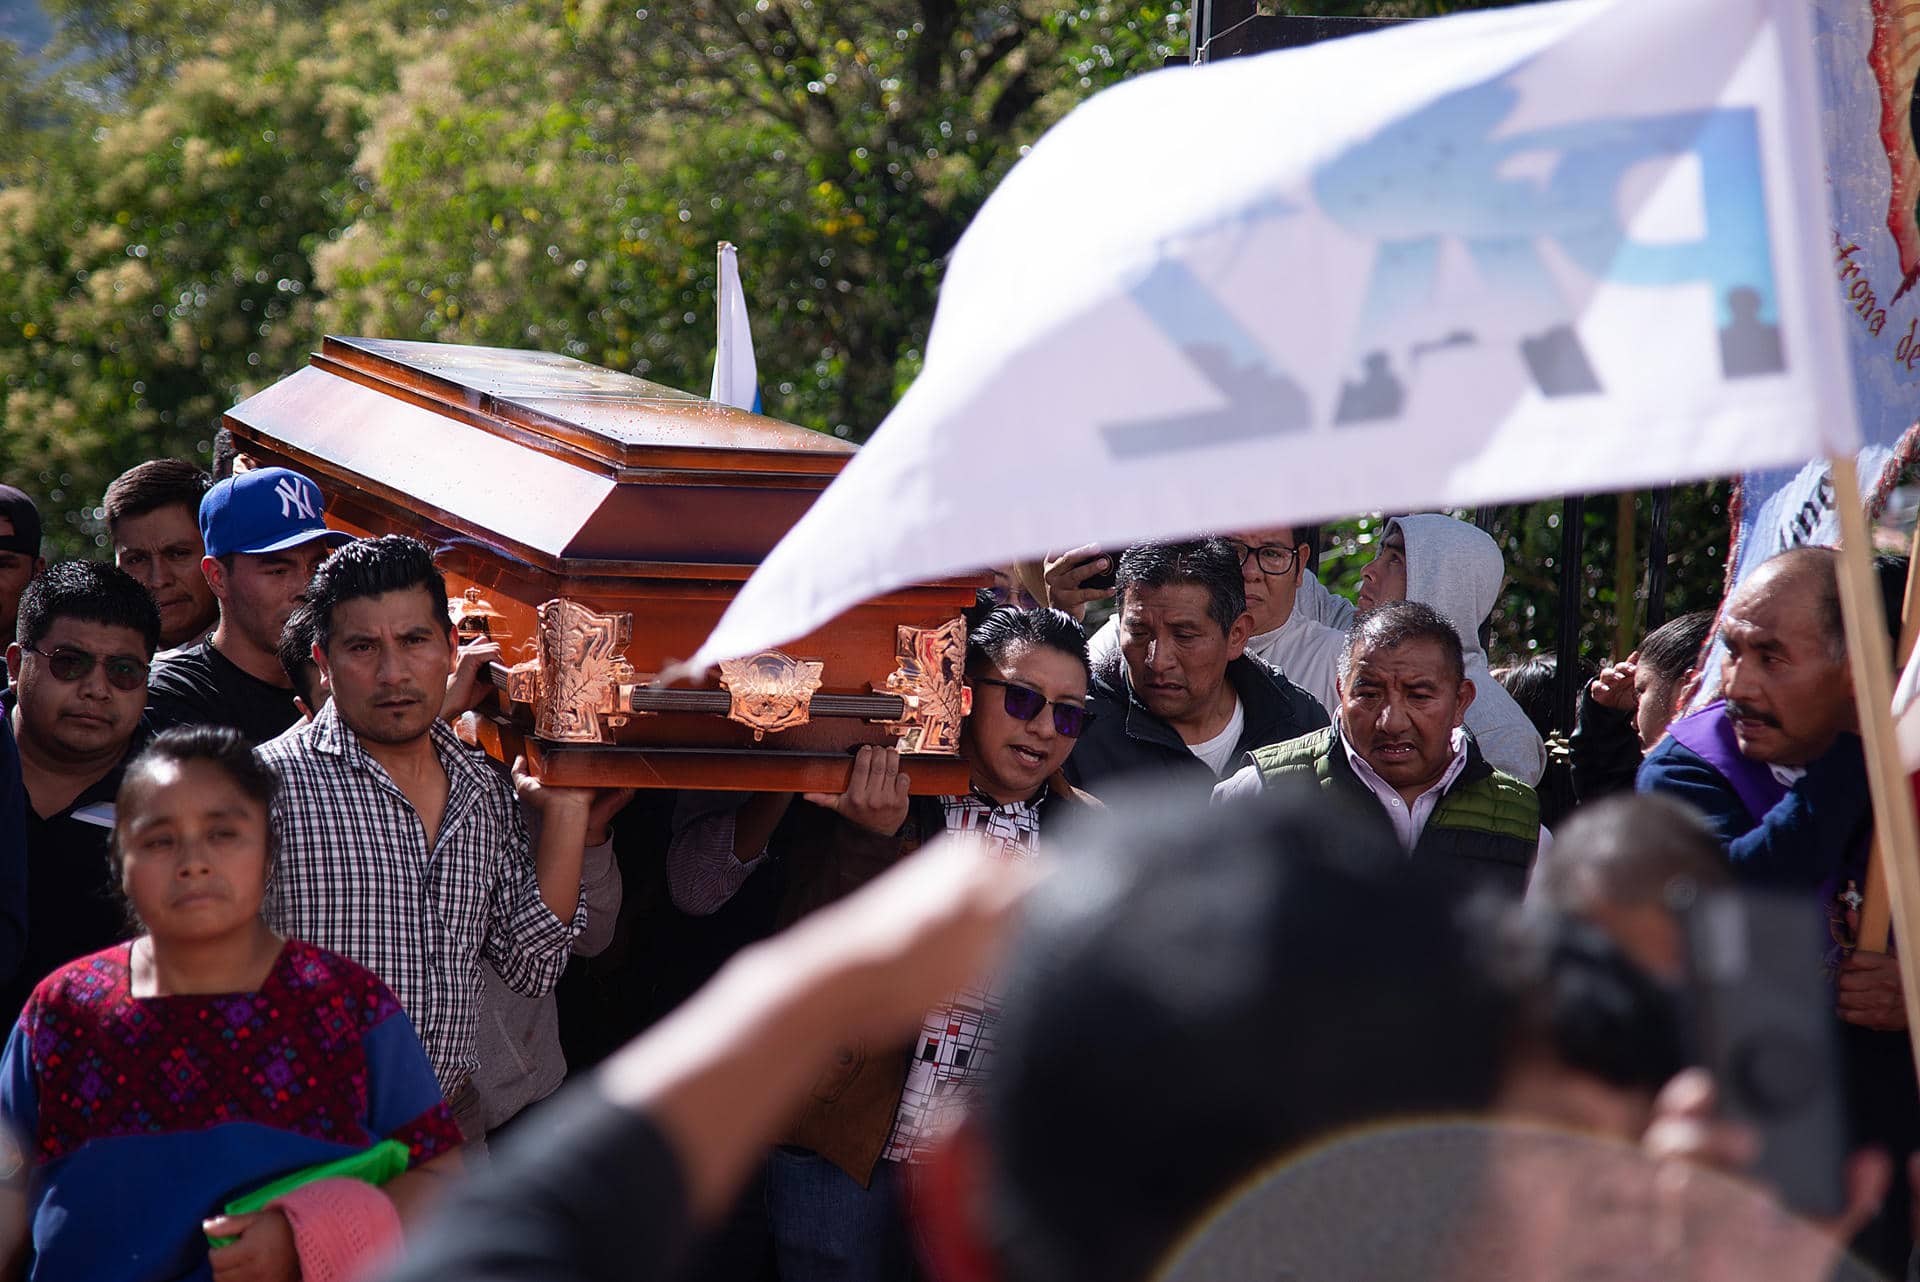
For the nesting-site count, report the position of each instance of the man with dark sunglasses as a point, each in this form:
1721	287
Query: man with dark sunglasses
79	661
834	1189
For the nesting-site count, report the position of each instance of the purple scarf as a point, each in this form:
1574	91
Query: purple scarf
1709	732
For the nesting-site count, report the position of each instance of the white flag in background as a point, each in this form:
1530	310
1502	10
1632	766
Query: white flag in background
736	378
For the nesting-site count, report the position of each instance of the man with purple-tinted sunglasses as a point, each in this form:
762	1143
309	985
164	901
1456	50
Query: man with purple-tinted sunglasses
834	1189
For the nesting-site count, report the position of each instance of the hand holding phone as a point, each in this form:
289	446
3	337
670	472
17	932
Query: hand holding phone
1077	578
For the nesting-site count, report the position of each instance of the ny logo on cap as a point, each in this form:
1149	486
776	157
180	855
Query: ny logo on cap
294	497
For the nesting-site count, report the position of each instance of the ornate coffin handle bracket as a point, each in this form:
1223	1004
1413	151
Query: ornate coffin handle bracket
474	617
930	678
579	681
770	691
581	687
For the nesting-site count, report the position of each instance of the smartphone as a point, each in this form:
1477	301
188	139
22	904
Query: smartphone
1761	1017
1104	580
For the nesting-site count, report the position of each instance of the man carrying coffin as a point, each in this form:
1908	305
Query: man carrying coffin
835	1187
1181	699
264	536
1399	746
398	846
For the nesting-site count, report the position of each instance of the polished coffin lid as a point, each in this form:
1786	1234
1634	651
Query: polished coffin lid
570	462
624	496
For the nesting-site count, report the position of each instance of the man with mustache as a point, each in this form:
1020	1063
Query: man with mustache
1458	569
1399	746
1777	770
398	846
1775	765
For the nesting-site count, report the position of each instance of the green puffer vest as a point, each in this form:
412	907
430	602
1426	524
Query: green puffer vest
1486	829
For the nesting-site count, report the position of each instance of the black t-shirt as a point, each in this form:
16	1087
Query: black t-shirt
73	907
590	1193
199	686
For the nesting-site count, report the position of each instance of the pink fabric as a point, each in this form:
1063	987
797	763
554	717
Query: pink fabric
343	1229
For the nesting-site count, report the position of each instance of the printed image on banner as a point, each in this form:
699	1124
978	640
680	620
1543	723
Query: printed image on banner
1869	54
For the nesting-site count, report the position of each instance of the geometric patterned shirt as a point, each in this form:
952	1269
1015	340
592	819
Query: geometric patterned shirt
353	874
145	1115
954	1052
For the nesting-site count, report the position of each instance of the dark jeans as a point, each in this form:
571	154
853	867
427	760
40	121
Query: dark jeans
826	1228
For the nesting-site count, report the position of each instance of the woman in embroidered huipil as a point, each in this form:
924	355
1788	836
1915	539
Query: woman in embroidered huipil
156	1081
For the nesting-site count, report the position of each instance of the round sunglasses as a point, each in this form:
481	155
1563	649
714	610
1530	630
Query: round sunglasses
71	665
1023	703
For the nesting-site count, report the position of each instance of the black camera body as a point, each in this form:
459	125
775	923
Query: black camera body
1763	1024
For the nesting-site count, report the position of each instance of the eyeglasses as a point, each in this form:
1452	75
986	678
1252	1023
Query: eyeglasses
1024	704
73	665
1274	559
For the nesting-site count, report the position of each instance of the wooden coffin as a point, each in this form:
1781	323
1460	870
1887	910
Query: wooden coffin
597	525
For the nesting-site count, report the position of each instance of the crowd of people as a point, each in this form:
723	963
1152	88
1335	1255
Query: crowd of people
1246	869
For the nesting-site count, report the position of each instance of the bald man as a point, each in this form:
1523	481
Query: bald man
1775	766
1777	771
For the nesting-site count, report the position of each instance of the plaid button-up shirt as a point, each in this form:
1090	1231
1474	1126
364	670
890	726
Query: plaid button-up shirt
354	874
955	1049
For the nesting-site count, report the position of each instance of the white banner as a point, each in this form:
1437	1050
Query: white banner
1869	58
1565	247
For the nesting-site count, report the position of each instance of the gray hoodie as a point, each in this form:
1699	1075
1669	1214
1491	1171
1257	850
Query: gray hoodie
1457	569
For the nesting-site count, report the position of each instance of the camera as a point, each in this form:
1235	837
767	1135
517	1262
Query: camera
1762	1022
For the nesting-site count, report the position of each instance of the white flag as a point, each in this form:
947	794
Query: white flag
736	379
1562	247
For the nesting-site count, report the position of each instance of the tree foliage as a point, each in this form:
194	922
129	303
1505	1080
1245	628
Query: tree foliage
155	261
193	191
844	146
233	182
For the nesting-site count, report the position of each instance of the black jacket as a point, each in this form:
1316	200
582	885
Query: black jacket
1127	738
1606	751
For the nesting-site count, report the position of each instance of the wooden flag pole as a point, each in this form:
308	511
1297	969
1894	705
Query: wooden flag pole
1875	909
1871	658
1909	615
